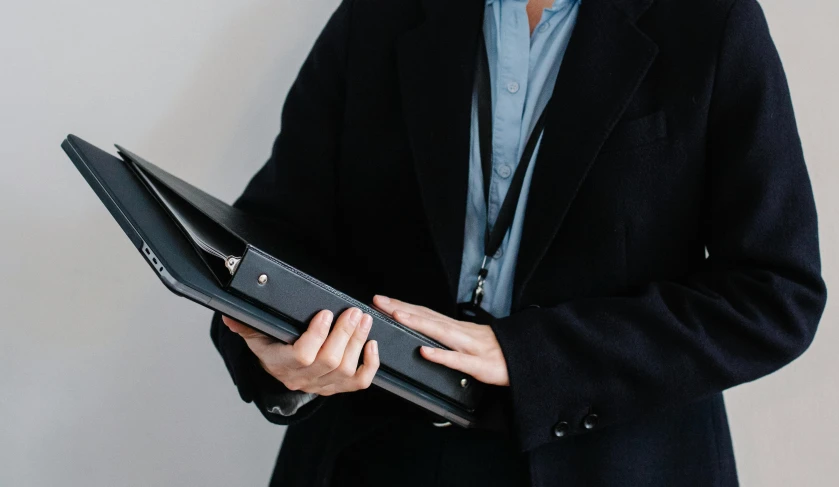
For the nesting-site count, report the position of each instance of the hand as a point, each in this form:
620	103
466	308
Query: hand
319	362
474	348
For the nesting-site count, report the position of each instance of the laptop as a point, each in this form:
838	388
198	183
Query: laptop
171	224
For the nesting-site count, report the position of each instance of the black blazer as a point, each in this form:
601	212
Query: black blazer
674	133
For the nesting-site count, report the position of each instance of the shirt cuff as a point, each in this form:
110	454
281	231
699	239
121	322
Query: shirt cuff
289	403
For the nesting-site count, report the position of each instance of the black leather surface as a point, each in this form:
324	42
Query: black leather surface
299	297
231	223
170	255
297	289
213	245
173	258
255	231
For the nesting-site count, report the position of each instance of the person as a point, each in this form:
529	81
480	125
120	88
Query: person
660	246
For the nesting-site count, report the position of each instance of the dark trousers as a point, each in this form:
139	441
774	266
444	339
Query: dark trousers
418	454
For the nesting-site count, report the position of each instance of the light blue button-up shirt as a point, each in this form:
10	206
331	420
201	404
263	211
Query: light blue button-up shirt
523	70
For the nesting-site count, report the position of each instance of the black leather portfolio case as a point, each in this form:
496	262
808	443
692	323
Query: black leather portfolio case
256	272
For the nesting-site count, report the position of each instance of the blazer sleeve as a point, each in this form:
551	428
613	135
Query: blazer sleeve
296	187
752	309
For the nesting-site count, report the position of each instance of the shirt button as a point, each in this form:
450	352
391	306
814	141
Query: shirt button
504	171
498	254
561	429
544	27
512	87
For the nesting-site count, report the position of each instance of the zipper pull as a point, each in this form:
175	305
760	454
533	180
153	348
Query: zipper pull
232	263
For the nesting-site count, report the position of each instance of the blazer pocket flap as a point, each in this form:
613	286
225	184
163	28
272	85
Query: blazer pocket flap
637	132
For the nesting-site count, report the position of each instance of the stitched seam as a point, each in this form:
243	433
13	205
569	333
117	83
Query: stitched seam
626	273
720	50
612	120
351	301
706	235
339	149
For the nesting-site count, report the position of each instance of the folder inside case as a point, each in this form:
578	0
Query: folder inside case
262	261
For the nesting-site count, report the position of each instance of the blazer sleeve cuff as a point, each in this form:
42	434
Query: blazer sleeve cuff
276	403
548	402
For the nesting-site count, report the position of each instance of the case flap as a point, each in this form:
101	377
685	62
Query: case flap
249	229
163	246
299	297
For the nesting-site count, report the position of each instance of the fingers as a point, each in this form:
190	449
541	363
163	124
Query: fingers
364	375
349	364
445	332
468	364
332	352
255	340
361	377
320	361
307	346
240	328
389	305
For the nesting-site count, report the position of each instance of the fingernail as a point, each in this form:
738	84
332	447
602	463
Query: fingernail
403	315
366	323
374	347
428	350
327	316
383	299
355	316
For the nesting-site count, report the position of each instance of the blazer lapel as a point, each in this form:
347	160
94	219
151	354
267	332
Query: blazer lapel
436	65
604	64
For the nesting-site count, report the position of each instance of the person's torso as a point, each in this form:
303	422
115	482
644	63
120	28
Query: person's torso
614	199
616	188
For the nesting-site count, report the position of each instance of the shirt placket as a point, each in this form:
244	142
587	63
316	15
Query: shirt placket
510	88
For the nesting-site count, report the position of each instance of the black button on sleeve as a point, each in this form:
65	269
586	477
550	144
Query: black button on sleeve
561	429
590	421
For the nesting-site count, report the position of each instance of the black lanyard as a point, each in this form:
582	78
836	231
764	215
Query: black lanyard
494	234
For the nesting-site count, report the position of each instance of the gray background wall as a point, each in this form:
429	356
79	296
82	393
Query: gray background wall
107	379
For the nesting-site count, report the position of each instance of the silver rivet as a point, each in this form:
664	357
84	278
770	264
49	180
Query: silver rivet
464	382
262	279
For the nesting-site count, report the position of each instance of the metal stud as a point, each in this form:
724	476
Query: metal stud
464	382
262	279
232	263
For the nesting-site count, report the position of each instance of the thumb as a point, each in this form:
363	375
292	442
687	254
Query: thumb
255	339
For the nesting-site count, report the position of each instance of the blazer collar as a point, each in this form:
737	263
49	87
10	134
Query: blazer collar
606	60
